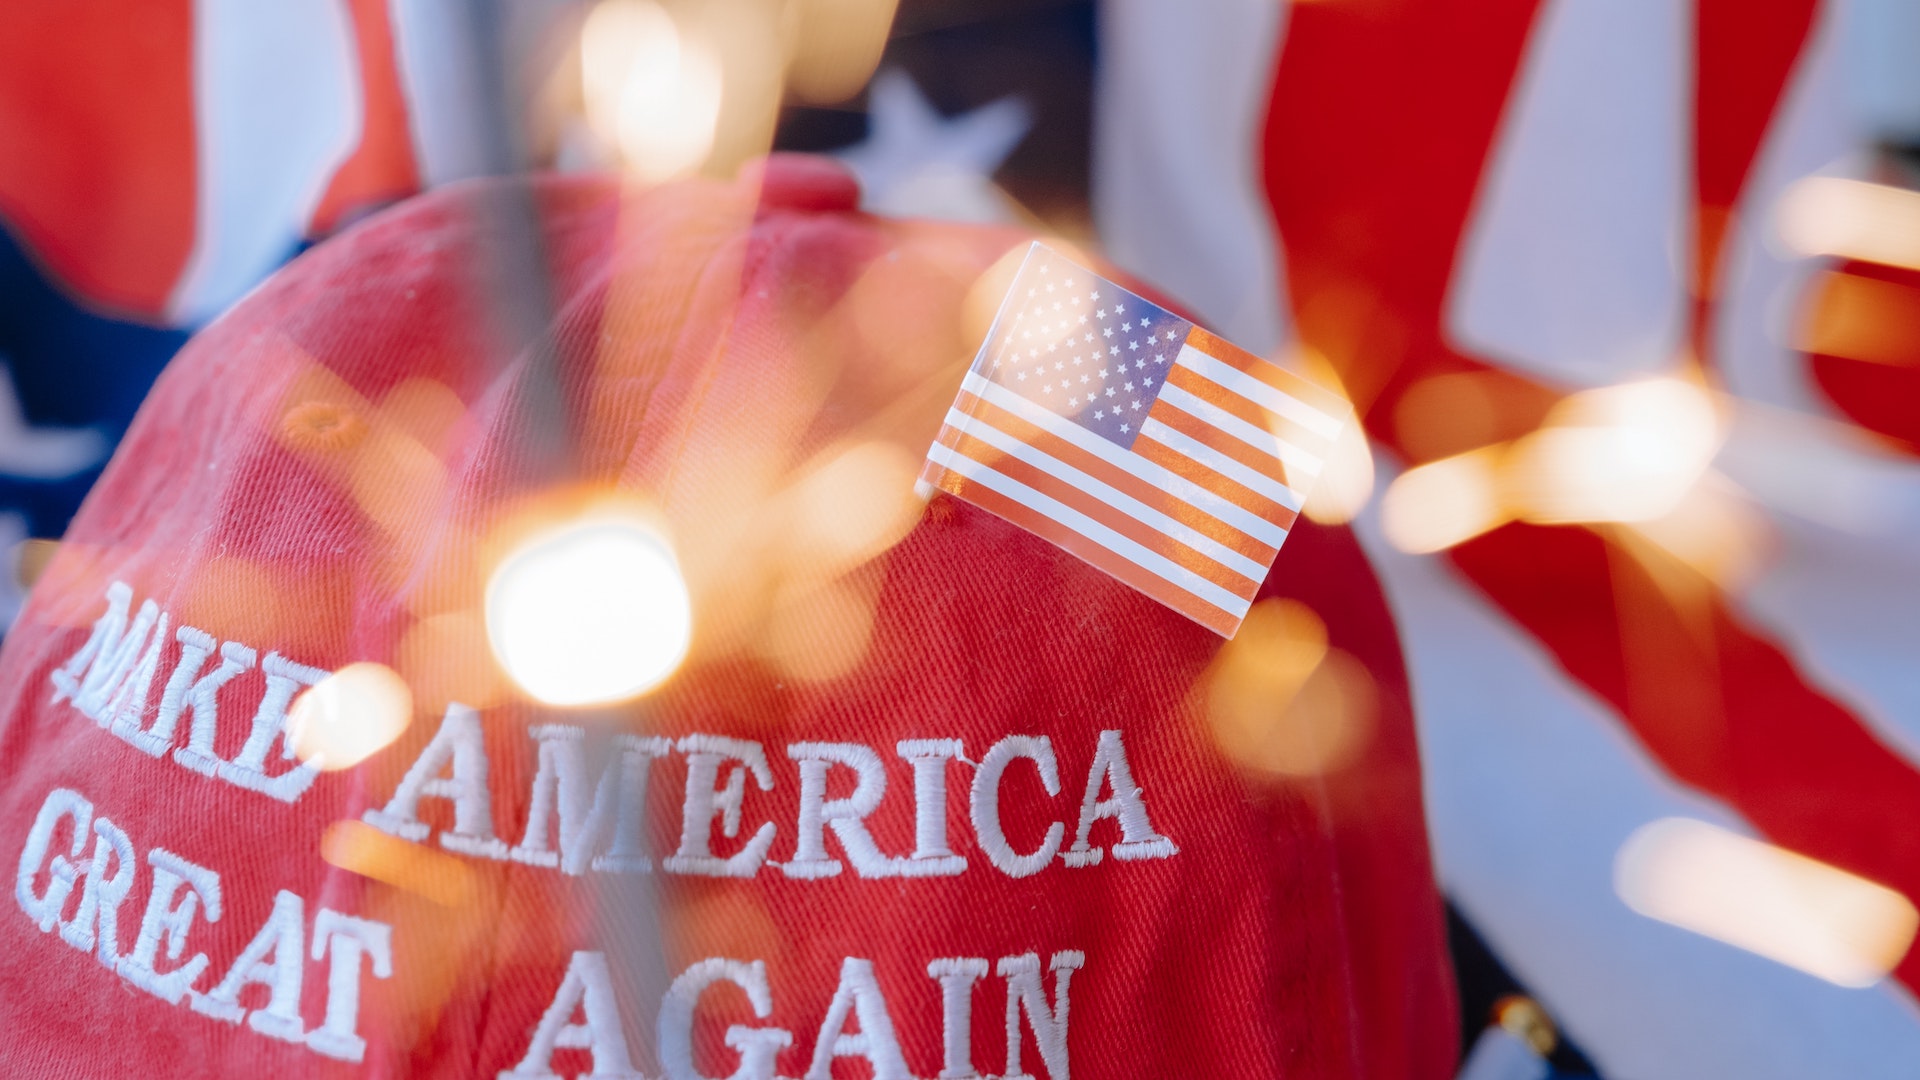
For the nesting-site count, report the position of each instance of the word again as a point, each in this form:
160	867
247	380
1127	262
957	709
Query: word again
587	992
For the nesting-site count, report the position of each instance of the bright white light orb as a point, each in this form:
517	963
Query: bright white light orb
590	614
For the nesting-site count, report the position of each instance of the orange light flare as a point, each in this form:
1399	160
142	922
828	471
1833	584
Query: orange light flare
1765	899
349	716
1346	481
1850	219
848	506
1631	454
1860	318
1280	701
362	849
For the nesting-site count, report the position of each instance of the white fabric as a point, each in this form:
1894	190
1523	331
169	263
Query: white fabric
277	107
1178	188
1572	268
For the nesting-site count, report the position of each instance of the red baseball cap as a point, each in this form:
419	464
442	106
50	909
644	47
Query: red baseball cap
925	796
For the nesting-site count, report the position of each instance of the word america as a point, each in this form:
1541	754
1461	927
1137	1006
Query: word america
179	892
600	820
588	989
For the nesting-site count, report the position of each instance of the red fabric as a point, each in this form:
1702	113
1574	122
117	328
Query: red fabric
96	122
709	345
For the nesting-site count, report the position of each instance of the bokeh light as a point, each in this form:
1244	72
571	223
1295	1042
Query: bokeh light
1280	701
1630	453
1443	503
1851	219
1621	453
651	89
349	716
592	613
1765	899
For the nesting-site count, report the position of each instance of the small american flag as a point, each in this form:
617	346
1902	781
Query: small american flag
1134	440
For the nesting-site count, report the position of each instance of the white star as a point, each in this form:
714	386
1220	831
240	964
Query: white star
1126	427
1126	326
1114	351
1136	406
1103	373
1102	313
1089	337
1083	318
1143	322
1134	345
1160	360
1073	401
1052	346
1147	380
1138	364
1128	388
918	163
1022	376
1093	296
1026	335
1083	379
1047	389
1059	365
1109	391
1078	360
1056	303
1107	332
1118	308
1099	414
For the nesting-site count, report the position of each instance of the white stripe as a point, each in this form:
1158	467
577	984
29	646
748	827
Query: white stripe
1108	494
1531	787
276	108
436	49
1569	269
1274	401
1208	502
1137	554
1222	464
1259	438
1196	222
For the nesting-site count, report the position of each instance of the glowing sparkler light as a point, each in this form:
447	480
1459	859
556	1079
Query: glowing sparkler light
349	716
1765	899
650	89
589	614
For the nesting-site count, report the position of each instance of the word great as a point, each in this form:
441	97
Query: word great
588	985
599	820
180	892
110	681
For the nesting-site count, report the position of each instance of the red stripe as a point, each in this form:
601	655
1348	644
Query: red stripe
1123	570
1103	512
1222	443
1268	372
381	168
1186	468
